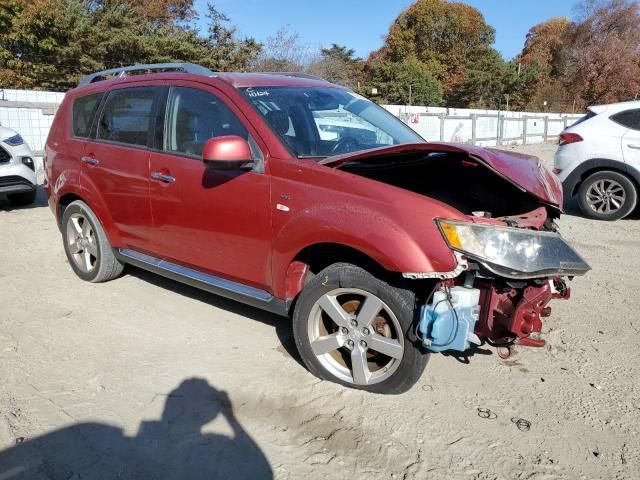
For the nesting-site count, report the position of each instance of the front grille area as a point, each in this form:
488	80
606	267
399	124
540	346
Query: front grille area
13	180
4	156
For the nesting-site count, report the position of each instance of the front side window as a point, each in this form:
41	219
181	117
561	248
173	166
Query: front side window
128	116
84	109
193	117
324	121
628	119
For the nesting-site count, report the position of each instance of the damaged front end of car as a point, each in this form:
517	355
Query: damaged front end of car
511	259
511	273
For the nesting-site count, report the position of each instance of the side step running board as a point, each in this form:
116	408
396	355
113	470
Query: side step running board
210	283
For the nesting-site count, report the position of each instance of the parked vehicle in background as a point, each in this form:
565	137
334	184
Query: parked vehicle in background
17	168
598	160
382	247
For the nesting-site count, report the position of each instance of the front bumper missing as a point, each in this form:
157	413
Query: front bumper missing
514	316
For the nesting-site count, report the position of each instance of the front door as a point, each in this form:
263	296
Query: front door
116	163
211	220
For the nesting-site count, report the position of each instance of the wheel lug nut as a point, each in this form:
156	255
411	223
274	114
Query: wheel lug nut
344	330
354	323
350	343
363	344
365	331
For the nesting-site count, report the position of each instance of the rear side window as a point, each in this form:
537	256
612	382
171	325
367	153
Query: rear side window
588	116
193	117
84	109
127	116
628	118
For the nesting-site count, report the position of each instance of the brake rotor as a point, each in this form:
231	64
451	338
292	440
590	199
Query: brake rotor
379	324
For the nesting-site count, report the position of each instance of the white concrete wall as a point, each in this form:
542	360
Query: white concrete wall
32	123
427	121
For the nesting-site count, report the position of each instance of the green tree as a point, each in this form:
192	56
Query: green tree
443	36
51	44
486	80
397	81
338	64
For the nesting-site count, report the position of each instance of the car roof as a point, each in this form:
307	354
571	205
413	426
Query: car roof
235	79
612	108
284	79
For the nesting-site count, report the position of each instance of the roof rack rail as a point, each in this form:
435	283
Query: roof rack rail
121	72
295	74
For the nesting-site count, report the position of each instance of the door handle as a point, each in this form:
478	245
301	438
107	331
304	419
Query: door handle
162	177
90	160
635	146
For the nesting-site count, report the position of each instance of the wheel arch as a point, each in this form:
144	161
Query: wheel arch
595	165
98	208
314	258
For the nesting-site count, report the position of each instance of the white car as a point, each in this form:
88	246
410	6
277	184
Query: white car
17	169
598	160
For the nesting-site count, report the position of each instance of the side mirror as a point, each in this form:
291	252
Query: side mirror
227	152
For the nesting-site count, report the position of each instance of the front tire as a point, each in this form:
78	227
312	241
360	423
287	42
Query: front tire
86	245
354	329
607	195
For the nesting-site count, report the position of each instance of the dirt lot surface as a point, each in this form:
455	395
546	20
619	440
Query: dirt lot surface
145	378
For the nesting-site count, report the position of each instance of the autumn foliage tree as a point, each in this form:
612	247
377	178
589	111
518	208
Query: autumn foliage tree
594	59
603	58
452	44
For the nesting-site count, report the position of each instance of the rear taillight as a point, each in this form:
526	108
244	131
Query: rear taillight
567	138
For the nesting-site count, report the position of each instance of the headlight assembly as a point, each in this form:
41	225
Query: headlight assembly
514	252
14	141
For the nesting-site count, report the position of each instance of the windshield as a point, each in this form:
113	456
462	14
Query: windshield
320	122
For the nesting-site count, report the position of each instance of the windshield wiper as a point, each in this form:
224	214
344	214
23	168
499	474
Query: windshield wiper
305	157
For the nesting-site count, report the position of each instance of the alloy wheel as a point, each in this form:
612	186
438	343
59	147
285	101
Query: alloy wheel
355	336
606	196
81	241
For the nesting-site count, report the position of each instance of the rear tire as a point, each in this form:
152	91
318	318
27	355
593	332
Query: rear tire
354	329
86	245
607	195
22	199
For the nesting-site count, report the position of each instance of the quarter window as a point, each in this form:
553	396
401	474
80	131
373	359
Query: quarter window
629	119
84	109
127	116
193	117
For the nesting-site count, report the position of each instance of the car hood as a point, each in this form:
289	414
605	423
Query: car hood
524	171
6	133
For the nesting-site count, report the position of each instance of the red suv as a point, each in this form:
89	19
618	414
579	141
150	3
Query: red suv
303	198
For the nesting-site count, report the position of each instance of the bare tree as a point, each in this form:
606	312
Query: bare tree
284	52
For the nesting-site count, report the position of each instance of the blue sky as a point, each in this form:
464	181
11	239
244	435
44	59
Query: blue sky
361	24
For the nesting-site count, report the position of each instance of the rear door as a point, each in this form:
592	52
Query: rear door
631	139
216	221
116	163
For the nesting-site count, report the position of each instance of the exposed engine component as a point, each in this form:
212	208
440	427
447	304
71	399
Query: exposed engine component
504	313
449	321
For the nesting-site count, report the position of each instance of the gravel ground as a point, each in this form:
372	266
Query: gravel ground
144	378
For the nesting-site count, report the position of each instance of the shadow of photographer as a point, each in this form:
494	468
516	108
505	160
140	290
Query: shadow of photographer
173	447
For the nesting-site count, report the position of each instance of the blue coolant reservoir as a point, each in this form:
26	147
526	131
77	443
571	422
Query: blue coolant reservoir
448	323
